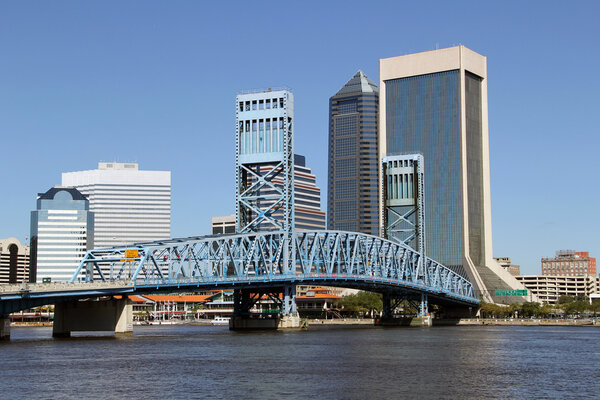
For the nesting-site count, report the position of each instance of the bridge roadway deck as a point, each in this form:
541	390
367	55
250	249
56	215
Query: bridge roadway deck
23	296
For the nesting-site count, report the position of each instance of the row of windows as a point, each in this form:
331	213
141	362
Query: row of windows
346	125
423	117
345	189
260	104
345	168
345	147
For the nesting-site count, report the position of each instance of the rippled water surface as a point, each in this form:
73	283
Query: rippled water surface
184	362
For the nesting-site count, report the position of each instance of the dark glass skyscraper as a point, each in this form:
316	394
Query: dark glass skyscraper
435	103
352	197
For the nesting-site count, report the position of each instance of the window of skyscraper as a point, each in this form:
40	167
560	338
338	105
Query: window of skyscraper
423	116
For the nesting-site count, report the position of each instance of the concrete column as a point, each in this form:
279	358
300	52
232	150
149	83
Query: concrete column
93	316
4	328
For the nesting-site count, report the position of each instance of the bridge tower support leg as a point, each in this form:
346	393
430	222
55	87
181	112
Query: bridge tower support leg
290	317
114	315
386	311
424	310
424	306
245	299
4	327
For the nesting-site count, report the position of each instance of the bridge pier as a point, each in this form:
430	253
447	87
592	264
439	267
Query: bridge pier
390	303
286	317
4	327
115	315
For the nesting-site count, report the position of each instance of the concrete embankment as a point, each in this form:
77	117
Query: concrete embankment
469	322
341	321
529	322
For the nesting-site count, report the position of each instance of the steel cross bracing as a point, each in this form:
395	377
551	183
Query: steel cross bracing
335	258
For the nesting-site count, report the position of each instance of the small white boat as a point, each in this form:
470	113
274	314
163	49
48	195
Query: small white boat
220	321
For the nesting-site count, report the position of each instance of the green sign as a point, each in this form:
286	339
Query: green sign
511	293
46	280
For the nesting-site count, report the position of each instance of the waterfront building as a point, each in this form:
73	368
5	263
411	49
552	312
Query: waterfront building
548	289
14	261
224	224
435	104
514	270
352	197
62	231
317	302
569	263
130	205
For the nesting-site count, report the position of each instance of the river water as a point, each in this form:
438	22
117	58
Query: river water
196	362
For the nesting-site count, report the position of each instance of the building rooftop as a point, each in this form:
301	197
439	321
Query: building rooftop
359	83
49	195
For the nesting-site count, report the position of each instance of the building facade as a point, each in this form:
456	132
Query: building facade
548	289
14	261
435	104
130	205
352	196
222	225
62	231
514	270
569	263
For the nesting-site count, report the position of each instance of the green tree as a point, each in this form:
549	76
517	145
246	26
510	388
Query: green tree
361	303
564	299
595	306
530	309
575	307
582	297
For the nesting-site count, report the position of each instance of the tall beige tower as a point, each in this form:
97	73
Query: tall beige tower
435	103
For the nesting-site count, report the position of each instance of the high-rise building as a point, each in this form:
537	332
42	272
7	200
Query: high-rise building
569	263
307	197
130	205
435	103
62	231
224	224
14	261
352	197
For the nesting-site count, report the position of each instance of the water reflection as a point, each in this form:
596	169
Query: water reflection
181	362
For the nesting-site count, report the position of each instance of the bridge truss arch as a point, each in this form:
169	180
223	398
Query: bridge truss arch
334	258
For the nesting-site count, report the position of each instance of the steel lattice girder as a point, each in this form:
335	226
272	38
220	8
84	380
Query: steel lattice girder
251	257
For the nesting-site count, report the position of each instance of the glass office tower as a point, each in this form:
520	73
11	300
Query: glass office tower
435	103
352	200
62	231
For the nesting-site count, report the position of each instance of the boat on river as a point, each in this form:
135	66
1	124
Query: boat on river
220	321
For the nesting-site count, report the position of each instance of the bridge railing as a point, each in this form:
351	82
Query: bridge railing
319	255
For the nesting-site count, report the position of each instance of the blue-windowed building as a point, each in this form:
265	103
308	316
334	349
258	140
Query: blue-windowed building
435	104
352	189
62	231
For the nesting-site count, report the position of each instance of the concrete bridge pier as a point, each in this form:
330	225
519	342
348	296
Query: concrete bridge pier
4	327
244	300
115	315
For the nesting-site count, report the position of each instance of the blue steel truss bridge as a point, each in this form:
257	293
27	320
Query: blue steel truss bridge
256	262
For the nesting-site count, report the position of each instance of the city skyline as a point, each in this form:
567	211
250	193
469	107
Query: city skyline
137	124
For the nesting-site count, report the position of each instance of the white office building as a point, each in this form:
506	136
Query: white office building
130	205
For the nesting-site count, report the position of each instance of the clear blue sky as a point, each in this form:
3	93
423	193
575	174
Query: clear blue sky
155	82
